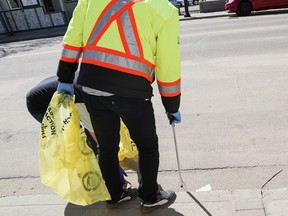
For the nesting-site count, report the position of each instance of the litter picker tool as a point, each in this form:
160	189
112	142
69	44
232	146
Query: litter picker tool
182	184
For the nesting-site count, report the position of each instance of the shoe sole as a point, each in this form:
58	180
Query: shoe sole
125	199
120	202
160	203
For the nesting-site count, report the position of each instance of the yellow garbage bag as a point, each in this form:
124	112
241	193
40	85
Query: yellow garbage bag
67	165
127	146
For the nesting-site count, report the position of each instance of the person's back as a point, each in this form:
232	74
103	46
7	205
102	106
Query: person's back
137	38
125	46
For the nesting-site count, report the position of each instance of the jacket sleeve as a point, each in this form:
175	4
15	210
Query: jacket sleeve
72	44
168	63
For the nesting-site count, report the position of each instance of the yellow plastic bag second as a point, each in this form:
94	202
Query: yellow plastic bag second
128	148
67	165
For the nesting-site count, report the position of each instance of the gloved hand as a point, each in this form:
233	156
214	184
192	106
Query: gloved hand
174	117
66	87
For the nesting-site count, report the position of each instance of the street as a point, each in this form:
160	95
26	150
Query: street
233	133
234	100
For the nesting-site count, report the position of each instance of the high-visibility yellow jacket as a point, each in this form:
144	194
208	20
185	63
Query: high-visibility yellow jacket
123	46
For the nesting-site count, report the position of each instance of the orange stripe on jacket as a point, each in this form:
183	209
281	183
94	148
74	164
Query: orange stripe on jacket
74	48
71	60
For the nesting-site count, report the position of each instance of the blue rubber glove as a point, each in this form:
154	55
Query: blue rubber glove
122	174
174	117
66	87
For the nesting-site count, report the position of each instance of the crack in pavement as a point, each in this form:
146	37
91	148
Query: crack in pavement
19	177
262	190
270	179
171	170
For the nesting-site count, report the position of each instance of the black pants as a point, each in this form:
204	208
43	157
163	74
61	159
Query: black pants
138	116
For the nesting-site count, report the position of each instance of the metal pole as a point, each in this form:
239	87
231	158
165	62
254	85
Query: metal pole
186	5
182	184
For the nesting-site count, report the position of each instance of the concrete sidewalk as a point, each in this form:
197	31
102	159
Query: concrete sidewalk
217	203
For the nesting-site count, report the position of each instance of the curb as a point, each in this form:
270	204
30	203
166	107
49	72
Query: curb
214	15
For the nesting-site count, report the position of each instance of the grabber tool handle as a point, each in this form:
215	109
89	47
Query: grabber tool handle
182	184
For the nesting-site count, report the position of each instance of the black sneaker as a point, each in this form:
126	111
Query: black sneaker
163	197
127	185
127	194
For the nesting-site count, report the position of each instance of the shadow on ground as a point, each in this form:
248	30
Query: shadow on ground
130	208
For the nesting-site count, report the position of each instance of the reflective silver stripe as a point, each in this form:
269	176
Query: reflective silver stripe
72	54
102	22
119	61
169	89
129	34
96	92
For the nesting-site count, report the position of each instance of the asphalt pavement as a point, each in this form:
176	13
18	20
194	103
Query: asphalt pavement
242	202
60	31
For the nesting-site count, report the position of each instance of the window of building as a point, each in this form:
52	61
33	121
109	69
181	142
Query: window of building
48	5
29	3
14	4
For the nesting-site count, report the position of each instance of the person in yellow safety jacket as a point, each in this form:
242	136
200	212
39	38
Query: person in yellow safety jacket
123	46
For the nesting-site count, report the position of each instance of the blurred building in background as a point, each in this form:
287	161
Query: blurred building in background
27	15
